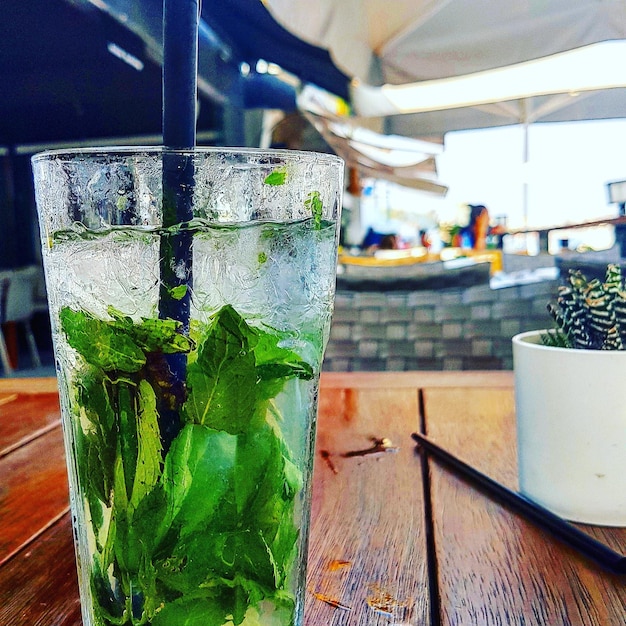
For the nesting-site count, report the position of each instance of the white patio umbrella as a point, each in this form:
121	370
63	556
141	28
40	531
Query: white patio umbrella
405	54
402	160
584	83
427	67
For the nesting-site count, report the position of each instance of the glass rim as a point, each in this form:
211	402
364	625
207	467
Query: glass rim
96	151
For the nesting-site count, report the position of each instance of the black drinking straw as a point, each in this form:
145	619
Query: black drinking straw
533	512
180	69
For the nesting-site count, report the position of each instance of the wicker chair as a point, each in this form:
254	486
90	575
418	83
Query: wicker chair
17	304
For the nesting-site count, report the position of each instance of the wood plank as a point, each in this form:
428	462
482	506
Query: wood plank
493	566
40	587
367	548
24	417
33	491
478	426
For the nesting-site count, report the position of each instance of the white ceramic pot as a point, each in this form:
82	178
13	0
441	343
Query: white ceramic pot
571	429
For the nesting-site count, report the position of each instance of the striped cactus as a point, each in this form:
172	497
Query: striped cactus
590	315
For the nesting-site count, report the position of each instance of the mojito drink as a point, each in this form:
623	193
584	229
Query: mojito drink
190	498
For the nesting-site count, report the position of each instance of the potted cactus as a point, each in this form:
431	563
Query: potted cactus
590	315
571	403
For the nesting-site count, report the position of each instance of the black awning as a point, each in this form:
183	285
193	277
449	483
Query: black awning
254	34
71	70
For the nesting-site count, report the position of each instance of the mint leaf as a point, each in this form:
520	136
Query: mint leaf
128	439
232	355
265	500
97	446
193	494
179	292
222	380
149	446
106	605
153	334
276	178
191	612
274	364
100	343
313	202
274	361
198	478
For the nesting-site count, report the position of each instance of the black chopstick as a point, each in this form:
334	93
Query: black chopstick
540	516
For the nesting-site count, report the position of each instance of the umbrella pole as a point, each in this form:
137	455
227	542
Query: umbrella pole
525	176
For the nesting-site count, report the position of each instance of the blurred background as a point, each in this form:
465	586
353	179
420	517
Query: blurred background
437	107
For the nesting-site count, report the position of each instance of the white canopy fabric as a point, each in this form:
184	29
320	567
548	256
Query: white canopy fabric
404	161
399	42
426	39
590	68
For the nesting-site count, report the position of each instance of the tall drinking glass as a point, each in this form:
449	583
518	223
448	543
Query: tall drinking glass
188	354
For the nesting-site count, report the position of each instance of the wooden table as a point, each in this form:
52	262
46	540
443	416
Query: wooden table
390	544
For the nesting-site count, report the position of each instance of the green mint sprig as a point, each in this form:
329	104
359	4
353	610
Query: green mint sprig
313	202
205	531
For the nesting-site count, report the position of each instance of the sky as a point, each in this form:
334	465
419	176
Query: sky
568	167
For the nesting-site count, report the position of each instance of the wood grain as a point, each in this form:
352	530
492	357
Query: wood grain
33	491
25	416
40	588
492	563
367	554
367	549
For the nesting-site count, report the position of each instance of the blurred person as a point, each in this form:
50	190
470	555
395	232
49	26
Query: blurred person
389	242
474	235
